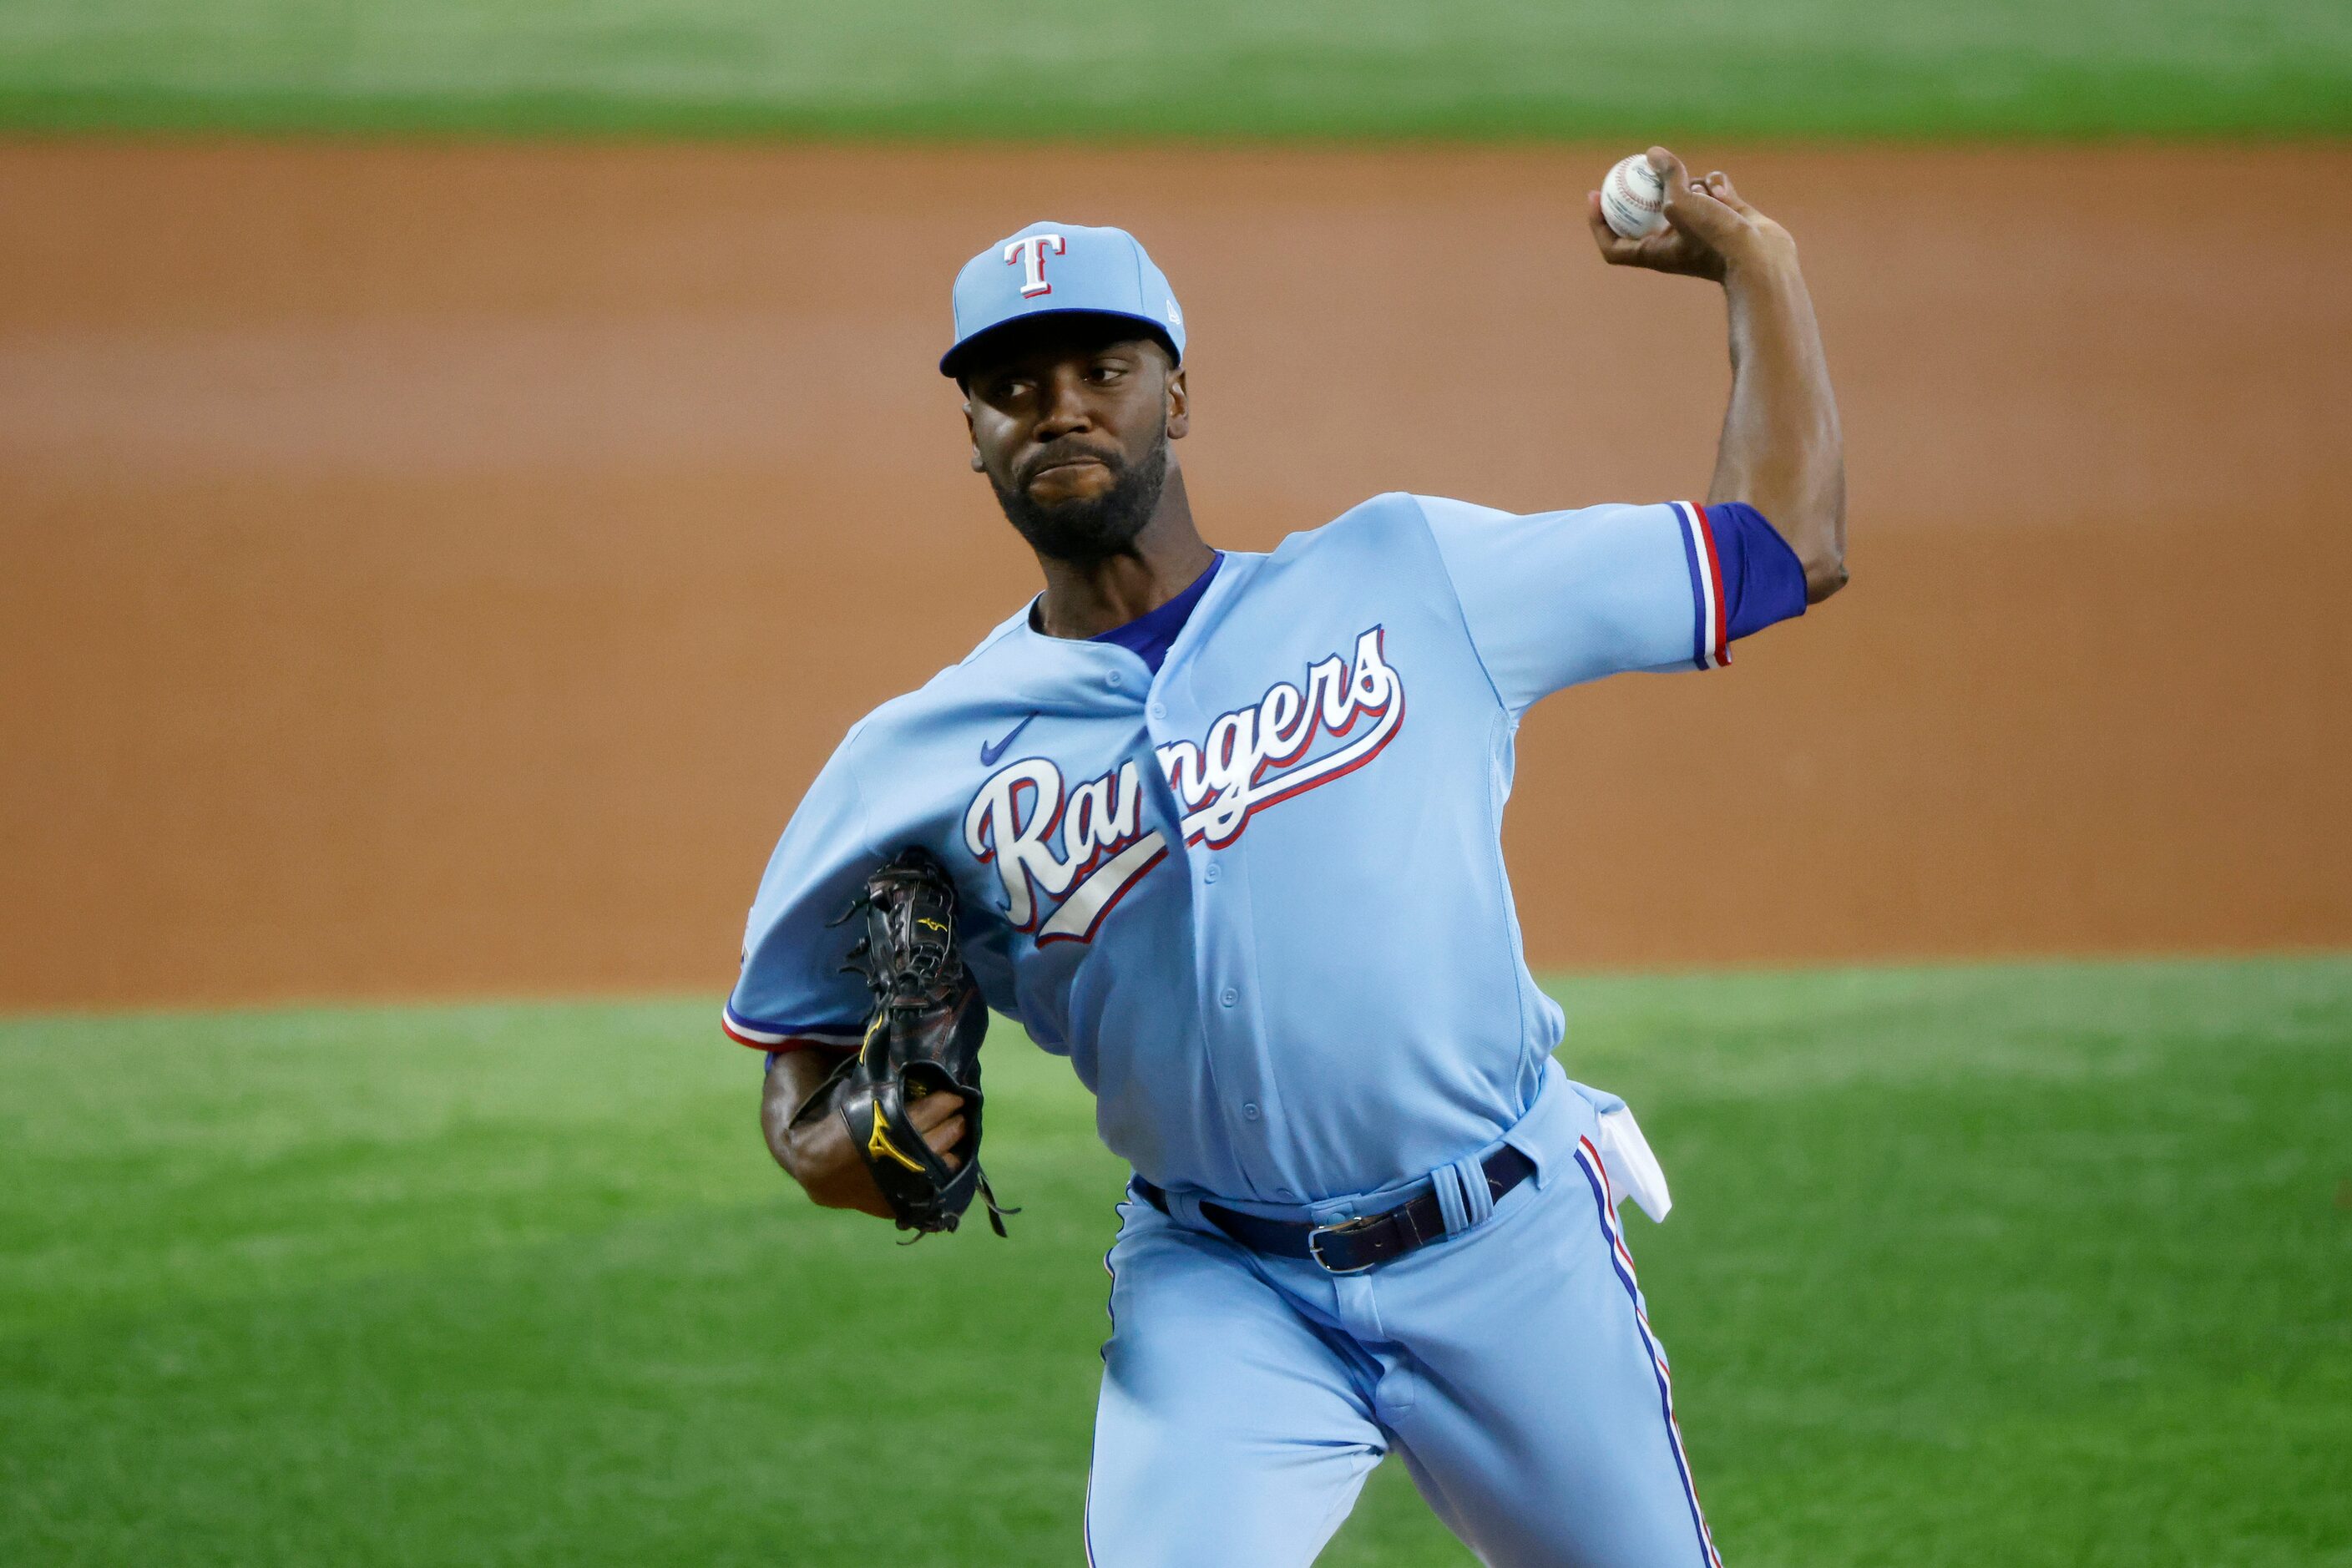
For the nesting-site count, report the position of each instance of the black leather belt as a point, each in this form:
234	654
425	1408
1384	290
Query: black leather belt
1353	1246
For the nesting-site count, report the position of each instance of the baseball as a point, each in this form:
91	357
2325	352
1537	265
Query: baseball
1633	198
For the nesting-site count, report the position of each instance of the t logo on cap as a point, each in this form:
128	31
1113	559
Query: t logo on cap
1096	271
1030	251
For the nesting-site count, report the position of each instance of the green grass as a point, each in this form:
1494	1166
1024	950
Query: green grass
2042	1264
996	69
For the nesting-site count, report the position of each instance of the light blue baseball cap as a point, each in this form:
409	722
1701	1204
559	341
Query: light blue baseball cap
1050	269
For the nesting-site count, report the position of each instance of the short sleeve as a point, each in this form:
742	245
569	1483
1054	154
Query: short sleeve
792	993
1552	599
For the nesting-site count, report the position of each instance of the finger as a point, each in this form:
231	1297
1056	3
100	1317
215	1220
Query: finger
932	1110
1602	235
1688	207
1615	248
1691	209
1718	185
943	1139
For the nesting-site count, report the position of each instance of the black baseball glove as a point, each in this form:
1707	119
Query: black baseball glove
922	1037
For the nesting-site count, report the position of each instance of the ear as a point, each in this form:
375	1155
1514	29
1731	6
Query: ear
1180	405
977	466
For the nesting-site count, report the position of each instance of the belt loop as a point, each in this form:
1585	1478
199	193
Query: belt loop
1194	1213
1446	1182
1186	1207
1470	1174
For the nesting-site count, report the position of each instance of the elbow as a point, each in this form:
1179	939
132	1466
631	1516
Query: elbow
1824	575
1810	524
786	1152
1824	555
776	1131
792	1151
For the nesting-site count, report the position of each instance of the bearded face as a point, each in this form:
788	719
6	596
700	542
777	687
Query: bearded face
1083	527
1071	415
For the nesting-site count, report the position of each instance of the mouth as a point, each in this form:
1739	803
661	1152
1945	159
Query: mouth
1066	465
1063	465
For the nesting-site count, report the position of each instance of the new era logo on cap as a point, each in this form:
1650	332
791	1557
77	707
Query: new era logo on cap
1063	267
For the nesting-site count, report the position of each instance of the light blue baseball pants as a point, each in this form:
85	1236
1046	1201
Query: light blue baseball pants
1245	1398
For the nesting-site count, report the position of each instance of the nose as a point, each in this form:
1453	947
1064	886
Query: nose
1062	407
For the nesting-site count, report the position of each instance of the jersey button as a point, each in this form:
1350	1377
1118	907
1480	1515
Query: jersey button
1285	1194
1160	710
1229	996
1212	873
1249	1111
1114	681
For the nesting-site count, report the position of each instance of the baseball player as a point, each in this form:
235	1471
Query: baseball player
1224	829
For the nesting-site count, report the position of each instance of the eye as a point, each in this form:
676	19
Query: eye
1105	372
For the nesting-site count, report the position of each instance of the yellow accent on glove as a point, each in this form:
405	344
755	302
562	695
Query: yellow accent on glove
879	1144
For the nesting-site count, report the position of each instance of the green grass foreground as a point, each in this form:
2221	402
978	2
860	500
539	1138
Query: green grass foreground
964	68
2017	1265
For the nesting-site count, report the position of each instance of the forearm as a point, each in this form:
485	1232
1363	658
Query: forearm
1781	451
818	1153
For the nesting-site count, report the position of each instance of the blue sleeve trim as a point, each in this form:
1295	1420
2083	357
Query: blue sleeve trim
1763	581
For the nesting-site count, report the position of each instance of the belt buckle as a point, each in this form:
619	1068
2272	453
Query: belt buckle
1345	1228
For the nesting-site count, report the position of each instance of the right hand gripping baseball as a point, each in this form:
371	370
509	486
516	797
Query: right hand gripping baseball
1710	227
921	1051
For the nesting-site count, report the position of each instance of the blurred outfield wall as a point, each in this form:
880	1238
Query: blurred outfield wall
440	570
437	564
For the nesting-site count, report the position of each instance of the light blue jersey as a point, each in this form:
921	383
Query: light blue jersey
1241	861
1256	897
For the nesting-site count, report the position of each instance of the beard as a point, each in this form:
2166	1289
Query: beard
1094	528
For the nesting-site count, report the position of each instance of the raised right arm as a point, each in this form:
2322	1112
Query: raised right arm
1783	451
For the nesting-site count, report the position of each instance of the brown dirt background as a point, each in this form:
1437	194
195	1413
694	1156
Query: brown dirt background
438	570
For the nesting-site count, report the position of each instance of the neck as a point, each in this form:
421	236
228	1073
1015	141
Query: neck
1087	598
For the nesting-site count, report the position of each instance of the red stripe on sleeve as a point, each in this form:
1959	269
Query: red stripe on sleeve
1720	634
789	1043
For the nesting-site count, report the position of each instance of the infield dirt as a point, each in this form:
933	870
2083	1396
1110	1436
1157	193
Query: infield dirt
436	570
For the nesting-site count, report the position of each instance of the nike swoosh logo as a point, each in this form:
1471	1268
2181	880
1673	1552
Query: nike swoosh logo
988	754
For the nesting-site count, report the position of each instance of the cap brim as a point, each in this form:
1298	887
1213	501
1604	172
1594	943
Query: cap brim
951	362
